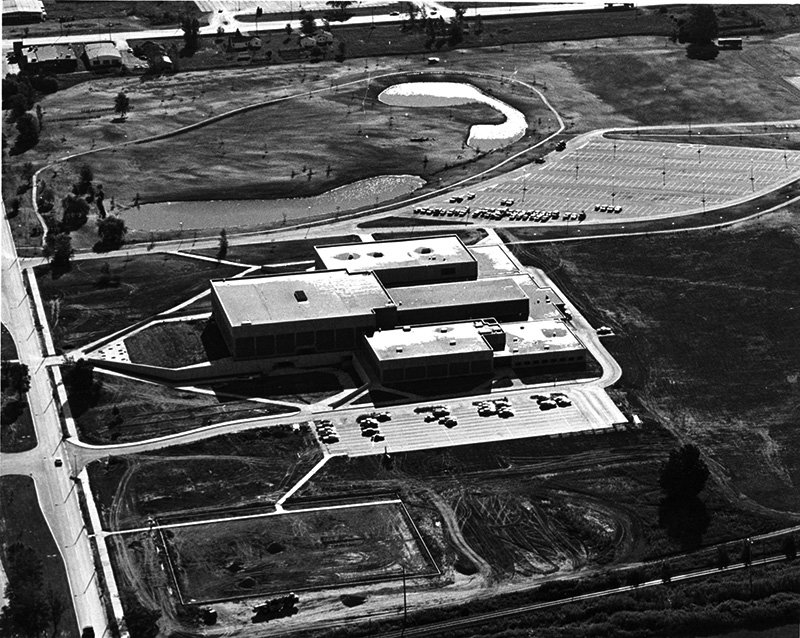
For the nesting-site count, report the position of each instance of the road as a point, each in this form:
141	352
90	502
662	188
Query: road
225	18
57	497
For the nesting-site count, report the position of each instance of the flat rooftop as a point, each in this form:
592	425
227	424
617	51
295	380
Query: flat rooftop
543	301
458	293
396	253
493	261
299	297
530	337
412	342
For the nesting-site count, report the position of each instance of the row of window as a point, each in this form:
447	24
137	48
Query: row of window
520	362
438	371
301	342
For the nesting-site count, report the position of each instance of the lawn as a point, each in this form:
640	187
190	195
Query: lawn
175	344
277	251
295	551
310	386
21	520
148	410
663	86
101	296
706	339
217	476
267	152
17	433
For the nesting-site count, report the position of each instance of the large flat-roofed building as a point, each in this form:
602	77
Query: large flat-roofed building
493	261
500	297
299	313
413	353
403	261
429	352
538	344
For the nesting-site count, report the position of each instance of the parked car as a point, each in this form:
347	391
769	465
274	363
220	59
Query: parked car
563	402
448	422
505	413
377	438
547	404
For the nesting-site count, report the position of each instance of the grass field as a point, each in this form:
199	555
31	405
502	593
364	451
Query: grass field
21	520
216	476
295	551
175	344
706	340
302	387
148	410
276	252
86	303
267	152
663	86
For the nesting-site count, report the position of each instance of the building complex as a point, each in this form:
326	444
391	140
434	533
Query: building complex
414	309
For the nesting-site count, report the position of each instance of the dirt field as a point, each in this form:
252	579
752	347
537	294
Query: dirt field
706	340
214	477
87	303
149	410
295	551
306	387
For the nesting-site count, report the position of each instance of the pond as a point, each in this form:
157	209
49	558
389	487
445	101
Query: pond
484	137
251	212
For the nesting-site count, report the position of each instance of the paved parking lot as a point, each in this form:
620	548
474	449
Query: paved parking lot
644	178
591	409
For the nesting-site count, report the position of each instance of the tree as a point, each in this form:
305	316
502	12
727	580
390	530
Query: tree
75	212
747	551
13	208
191	35
666	572
700	27
112	231
82	386
58	249
16	376
635	577
26	613
57	609
259	13
27	133
308	26
86	175
684	475
122	104
790	547
723	559
222	252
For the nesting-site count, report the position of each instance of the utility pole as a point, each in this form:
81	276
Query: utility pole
664	169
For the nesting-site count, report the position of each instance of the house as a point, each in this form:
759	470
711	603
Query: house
102	56
50	58
156	56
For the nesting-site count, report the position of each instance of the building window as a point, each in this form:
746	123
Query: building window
284	344
415	372
437	370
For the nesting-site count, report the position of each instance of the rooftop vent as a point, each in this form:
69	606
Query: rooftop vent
406	328
375	254
300	295
547	346
398	349
423	250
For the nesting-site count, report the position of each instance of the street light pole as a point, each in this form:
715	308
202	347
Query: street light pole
664	169
703	198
